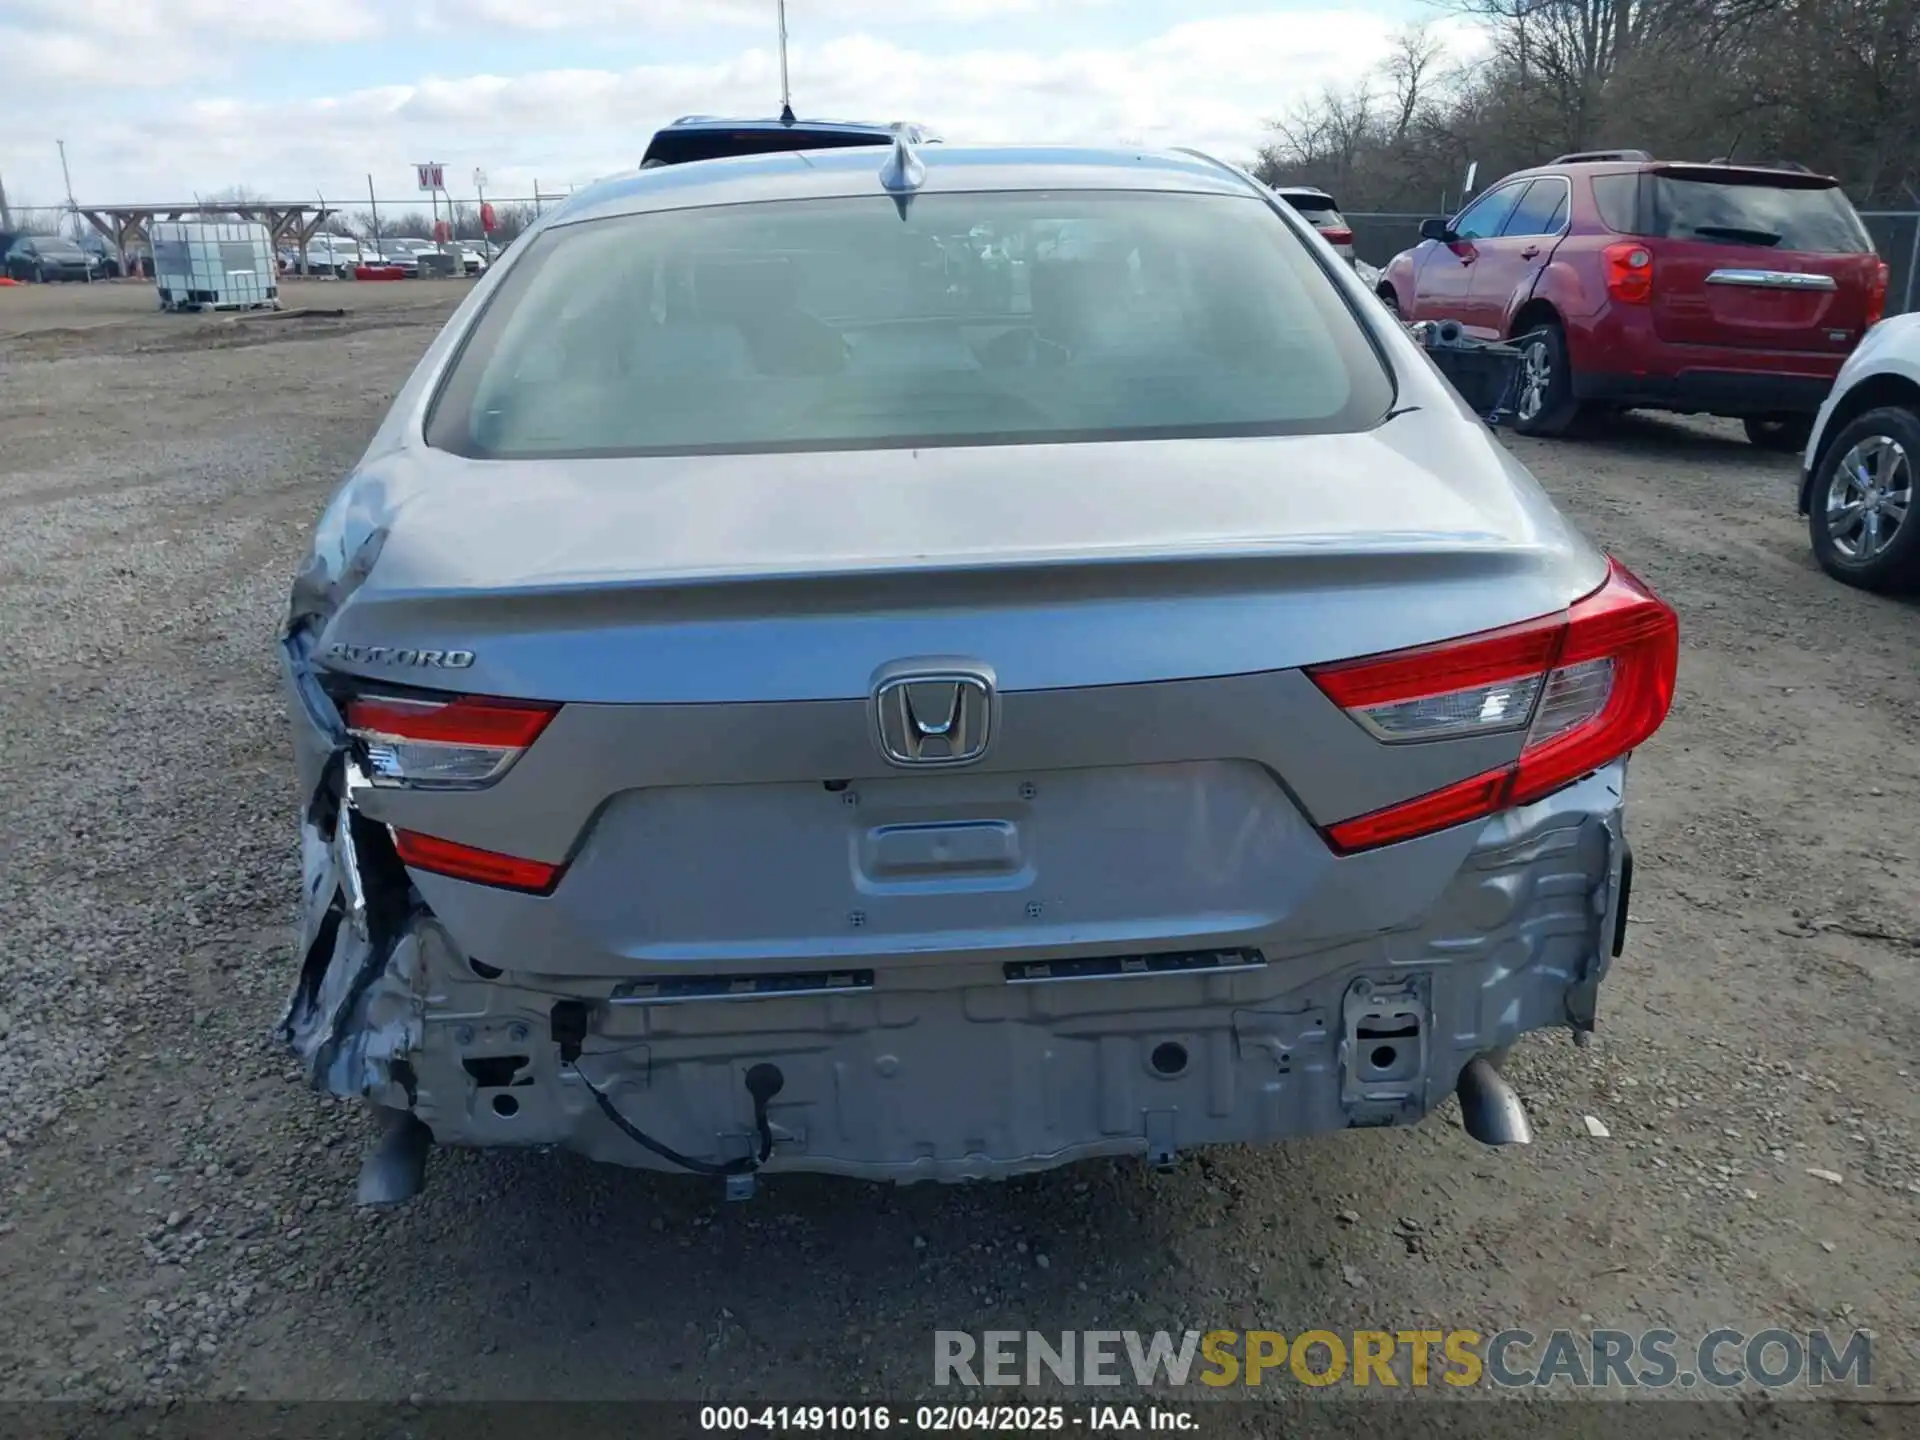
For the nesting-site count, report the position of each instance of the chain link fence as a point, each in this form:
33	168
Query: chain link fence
1896	235
1378	237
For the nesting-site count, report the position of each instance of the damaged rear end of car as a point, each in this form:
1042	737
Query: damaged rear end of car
954	802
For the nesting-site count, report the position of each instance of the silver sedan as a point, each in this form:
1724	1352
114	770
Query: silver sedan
770	700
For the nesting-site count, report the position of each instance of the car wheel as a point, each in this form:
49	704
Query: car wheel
1545	405
1860	512
1389	299
1785	433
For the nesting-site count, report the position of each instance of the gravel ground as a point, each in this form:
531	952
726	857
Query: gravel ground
175	1209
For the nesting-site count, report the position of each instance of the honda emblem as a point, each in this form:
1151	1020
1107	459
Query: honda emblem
933	717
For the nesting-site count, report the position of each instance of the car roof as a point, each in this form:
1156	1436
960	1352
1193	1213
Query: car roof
822	174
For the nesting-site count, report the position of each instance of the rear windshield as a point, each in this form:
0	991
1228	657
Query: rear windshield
1819	221
1318	209
986	318
680	147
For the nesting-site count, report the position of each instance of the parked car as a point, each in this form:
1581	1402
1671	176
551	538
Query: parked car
713	137
1715	289
1323	214
1857	475
50	257
395	253
417	248
755	713
107	263
332	255
471	259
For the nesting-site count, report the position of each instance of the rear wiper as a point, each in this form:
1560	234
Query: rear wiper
1737	234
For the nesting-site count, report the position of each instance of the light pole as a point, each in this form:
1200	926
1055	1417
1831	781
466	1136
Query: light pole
786	95
73	210
65	174
480	199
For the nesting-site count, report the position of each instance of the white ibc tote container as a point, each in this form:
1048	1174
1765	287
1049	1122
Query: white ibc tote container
219	265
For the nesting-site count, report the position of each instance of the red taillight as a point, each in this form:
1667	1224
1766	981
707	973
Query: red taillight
468	862
1629	272
1588	685
460	742
1338	237
1877	295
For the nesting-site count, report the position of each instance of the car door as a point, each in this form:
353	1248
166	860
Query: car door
1507	264
1445	286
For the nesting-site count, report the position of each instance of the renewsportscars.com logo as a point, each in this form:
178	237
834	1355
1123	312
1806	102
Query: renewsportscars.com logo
1415	1359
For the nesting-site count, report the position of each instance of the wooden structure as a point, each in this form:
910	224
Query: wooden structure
289	224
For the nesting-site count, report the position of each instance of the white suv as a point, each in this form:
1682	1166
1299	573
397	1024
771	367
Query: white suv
1856	480
1318	209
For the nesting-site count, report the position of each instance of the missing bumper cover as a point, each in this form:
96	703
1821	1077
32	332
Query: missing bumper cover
682	990
1127	967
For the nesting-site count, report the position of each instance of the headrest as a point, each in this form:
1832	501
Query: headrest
741	289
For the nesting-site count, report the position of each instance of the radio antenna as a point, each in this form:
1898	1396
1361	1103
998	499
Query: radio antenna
786	95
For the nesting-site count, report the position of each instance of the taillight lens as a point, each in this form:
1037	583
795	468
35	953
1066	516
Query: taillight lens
1338	236
1629	266
1877	295
469	862
458	743
1588	685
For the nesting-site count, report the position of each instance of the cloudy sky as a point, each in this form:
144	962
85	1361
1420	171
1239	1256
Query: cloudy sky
162	99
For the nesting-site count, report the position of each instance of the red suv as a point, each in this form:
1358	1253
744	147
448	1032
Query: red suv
1706	289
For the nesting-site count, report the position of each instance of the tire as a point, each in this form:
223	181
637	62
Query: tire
1860	511
1785	434
1546	406
1389	299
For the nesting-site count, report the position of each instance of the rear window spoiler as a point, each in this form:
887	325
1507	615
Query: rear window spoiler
1717	174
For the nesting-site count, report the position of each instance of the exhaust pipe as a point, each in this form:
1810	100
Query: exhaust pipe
1489	1108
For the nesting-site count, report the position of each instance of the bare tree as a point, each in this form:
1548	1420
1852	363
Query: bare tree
232	195
1410	68
511	220
1826	83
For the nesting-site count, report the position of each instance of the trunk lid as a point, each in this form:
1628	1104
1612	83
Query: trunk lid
790	577
1756	259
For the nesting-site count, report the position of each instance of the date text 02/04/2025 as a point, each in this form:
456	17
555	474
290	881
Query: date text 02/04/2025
944	1419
